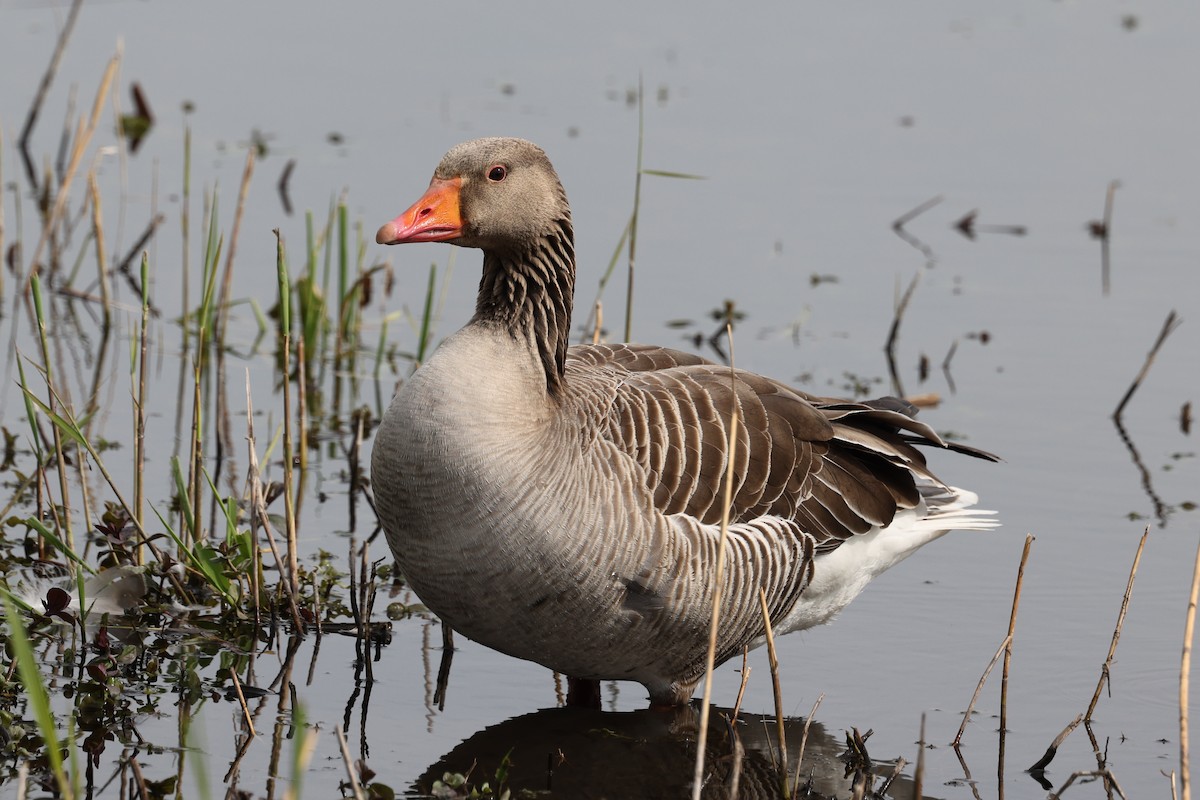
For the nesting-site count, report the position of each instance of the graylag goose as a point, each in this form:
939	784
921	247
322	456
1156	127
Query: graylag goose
563	504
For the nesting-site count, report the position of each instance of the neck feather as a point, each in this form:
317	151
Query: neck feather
529	293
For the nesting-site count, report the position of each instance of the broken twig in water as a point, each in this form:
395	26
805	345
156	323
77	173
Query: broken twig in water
894	333
1172	322
1105	676
1052	750
912	241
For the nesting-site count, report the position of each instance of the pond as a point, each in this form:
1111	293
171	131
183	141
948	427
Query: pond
994	136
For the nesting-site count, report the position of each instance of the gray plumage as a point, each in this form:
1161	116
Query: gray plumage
563	504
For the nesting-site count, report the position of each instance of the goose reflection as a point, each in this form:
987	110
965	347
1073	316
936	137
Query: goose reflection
585	753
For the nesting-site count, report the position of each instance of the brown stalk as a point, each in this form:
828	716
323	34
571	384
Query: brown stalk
83	138
595	331
2	250
889	347
1105	674
227	277
1105	229
737	705
1185	668
919	772
773	661
1169	325
1109	780
139	419
718	583
979	688
260	510
35	109
140	779
1012	626
909	216
803	742
302	399
237	687
351	775
293	574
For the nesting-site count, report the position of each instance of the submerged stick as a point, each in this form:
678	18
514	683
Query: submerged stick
1051	751
1172	322
1105	675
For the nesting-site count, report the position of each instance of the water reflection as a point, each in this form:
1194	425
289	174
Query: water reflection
581	753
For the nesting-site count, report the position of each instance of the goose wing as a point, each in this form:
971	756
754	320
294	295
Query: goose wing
837	468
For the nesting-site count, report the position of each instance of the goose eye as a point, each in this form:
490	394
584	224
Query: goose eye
497	173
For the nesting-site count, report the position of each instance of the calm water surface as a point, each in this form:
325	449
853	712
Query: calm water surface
815	126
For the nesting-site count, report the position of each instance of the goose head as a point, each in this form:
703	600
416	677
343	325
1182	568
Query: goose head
497	194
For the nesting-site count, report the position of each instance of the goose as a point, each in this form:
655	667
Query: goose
562	504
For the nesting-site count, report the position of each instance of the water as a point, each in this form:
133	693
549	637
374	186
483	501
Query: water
815	128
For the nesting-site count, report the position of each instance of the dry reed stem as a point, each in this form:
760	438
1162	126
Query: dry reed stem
979	689
302	397
737	705
1051	751
83	137
351	775
60	47
260	508
101	252
1185	667
804	742
293	563
773	661
2	250
595	331
139	778
237	687
1106	227
919	772
901	307
1169	325
889	347
139	419
633	222
739	756
897	768
1105	675
227	278
718	583
1109	780
1012	626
